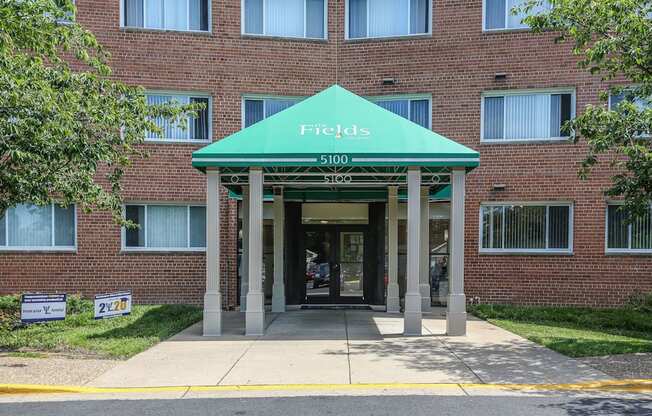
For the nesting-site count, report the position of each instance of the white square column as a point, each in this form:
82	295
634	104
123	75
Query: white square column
393	300
255	314
412	314
424	266
456	311
278	289
212	324
244	260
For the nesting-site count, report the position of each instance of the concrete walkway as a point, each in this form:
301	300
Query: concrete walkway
345	347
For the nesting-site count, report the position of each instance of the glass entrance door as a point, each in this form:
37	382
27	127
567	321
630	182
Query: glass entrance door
334	264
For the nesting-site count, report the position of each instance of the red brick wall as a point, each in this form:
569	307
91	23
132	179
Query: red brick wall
456	64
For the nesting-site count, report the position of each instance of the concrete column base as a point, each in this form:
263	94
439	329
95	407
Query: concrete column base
244	289
255	315
393	300
456	324
412	315
456	315
278	298
212	325
426	303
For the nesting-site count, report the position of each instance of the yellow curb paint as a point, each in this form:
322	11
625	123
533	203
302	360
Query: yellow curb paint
629	386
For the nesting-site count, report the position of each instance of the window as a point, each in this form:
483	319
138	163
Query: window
165	227
187	15
498	14
416	110
641	103
189	129
286	18
385	18
526	228
526	116
635	237
32	227
257	109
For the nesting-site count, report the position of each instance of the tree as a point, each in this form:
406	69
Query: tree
613	39
67	130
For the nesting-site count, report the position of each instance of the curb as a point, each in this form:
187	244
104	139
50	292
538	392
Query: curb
623	386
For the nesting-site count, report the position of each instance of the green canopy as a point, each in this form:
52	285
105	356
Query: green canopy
331	129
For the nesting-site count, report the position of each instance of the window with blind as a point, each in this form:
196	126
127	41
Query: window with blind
387	18
193	128
185	15
526	116
416	110
498	14
628	236
285	18
165	227
526	228
32	227
258	108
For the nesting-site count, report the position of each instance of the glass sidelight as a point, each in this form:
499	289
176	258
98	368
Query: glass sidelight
351	264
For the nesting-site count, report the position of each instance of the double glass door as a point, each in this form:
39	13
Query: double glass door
334	264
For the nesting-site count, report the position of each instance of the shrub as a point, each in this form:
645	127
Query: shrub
640	301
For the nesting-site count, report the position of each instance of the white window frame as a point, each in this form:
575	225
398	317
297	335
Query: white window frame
367	37
504	29
123	232
51	247
506	93
630	250
265	35
543	251
208	10
403	97
263	97
189	95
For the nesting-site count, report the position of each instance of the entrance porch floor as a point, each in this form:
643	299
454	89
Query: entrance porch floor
345	347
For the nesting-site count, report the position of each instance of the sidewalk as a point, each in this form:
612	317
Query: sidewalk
345	347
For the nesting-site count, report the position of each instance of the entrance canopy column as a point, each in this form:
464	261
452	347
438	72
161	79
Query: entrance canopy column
255	315
393	300
456	312
244	260
278	289
212	324
412	314
424	266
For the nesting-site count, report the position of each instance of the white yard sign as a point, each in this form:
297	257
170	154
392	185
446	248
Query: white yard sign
112	305
42	307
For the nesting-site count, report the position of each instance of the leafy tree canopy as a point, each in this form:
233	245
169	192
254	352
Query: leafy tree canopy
67	130
613	39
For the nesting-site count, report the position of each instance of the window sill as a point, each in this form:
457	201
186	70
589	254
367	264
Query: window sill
284	38
131	29
389	38
626	253
38	250
564	140
525	253
174	141
159	251
507	30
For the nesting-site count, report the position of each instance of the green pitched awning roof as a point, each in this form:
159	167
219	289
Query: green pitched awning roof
335	128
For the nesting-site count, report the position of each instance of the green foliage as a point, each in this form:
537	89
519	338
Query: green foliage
120	337
67	130
576	332
640	301
613	39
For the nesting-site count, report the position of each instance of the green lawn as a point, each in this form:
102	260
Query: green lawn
576	332
120	337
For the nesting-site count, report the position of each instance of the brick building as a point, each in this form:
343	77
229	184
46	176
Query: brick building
534	233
